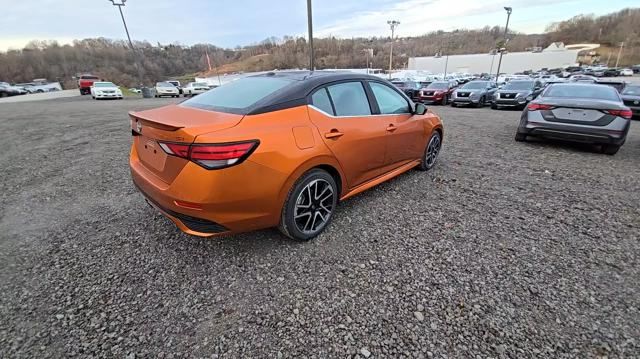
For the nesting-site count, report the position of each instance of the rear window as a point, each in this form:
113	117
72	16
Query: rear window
239	94
104	84
89	77
600	92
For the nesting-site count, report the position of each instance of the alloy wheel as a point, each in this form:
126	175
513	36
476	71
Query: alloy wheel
314	206
433	149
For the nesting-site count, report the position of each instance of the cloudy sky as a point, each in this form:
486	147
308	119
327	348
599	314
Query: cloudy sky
229	23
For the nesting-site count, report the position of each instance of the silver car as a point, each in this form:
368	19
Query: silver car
476	93
578	112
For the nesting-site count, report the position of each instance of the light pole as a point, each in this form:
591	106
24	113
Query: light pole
393	24
619	53
506	28
493	58
310	26
120	4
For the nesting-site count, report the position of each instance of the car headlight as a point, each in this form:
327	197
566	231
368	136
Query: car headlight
529	98
496	95
474	95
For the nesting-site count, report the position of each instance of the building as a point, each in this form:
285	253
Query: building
555	56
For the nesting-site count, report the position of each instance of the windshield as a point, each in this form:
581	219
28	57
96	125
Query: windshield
89	77
519	85
164	84
438	85
104	84
238	94
601	92
475	85
631	90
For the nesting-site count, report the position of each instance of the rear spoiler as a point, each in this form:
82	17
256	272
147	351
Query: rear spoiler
150	123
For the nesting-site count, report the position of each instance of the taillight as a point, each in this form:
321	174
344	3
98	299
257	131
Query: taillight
538	107
212	156
621	113
175	149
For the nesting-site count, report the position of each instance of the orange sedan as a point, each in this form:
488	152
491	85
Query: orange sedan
277	149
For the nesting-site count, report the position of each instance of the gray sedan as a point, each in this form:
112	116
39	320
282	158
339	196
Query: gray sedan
578	112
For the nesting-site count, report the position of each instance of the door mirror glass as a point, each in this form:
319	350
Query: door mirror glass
420	109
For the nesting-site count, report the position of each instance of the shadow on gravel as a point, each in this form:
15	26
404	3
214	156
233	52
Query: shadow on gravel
557	144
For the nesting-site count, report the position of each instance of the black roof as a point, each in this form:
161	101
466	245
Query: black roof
303	83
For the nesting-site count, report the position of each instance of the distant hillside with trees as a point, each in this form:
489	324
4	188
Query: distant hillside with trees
113	59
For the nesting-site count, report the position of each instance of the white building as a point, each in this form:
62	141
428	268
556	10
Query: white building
554	56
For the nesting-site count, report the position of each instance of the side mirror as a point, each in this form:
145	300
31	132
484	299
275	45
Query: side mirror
420	109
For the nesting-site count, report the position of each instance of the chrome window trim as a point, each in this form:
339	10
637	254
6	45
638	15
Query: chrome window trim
377	115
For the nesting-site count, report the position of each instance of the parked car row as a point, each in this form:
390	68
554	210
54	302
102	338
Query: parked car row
7	89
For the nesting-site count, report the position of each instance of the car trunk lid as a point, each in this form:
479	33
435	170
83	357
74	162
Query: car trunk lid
591	112
173	123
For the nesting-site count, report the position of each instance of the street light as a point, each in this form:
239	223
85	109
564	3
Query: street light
393	24
120	4
506	28
310	28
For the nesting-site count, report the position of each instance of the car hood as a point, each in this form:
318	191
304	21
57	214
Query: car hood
106	88
630	97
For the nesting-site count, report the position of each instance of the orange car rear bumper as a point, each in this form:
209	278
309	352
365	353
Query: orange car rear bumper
236	199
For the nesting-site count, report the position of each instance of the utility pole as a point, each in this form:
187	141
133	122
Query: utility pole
120	4
619	53
506	28
393	24
310	26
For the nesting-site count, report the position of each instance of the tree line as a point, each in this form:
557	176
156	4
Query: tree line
114	60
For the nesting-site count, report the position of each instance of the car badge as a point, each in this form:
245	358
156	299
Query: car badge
138	126
636	102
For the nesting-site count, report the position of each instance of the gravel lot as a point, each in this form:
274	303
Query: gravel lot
504	250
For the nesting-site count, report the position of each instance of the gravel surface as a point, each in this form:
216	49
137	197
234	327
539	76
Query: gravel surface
503	250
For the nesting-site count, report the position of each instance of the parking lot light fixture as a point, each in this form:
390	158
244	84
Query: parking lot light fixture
120	4
502	49
393	24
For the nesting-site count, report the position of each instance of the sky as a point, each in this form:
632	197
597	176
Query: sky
243	22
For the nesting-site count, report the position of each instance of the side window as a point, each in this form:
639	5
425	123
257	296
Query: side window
389	101
349	99
320	99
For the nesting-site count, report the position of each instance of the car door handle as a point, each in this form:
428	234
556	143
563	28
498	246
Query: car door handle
333	134
391	128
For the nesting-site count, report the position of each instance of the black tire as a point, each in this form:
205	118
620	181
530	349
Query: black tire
290	225
453	104
520	137
429	158
445	101
4	94
494	106
610	149
481	102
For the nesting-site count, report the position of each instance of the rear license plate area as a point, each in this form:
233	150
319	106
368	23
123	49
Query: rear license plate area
150	153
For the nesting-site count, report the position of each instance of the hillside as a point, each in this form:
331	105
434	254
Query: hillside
112	59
